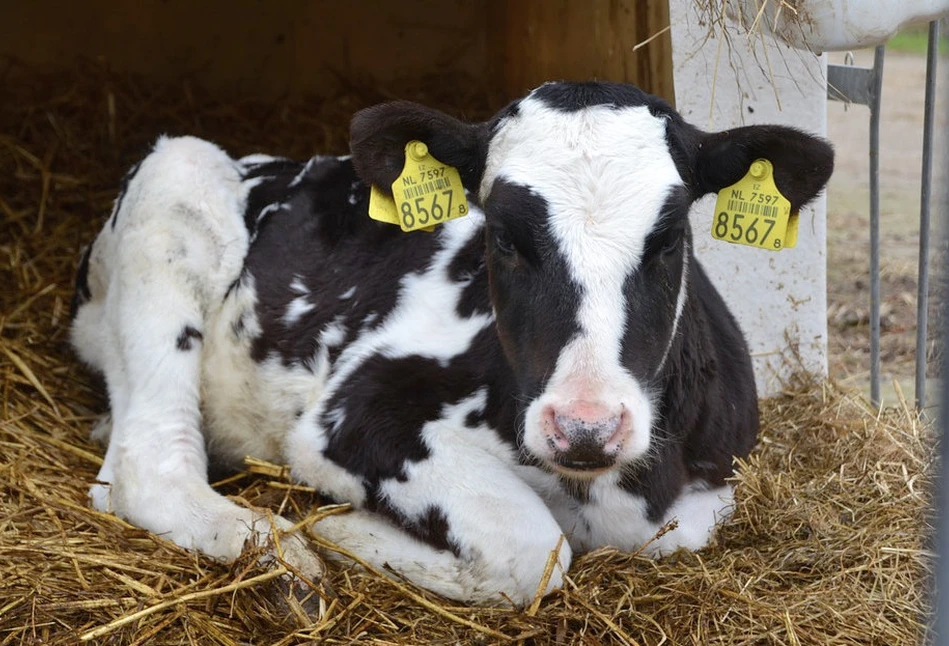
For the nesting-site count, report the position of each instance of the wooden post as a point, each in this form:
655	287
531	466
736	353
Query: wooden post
533	41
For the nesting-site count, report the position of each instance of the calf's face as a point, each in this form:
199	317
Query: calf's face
586	189
587	260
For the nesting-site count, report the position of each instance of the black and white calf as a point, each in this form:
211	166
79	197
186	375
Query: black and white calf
557	362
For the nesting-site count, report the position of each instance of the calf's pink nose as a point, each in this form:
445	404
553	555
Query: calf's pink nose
585	425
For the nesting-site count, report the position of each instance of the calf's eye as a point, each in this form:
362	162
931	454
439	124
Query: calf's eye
503	243
671	242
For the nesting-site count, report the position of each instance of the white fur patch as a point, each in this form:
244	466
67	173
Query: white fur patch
258	159
348	293
251	407
605	173
297	287
680	305
333	334
296	309
296	181
425	321
502	557
697	511
616	518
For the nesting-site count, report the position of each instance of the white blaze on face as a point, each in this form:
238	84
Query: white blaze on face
605	173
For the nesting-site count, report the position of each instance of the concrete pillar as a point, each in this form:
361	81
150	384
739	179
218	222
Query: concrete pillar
779	298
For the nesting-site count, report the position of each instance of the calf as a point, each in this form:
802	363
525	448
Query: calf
555	363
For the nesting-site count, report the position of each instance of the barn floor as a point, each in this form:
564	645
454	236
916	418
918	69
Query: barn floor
826	546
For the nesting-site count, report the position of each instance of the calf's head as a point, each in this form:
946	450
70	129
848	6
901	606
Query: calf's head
586	189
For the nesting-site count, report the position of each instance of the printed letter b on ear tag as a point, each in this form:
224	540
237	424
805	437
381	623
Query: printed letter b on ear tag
753	212
427	192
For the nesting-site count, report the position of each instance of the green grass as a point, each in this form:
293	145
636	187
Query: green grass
915	40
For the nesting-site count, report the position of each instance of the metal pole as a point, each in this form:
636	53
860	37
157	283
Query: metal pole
940	590
875	92
939	626
925	200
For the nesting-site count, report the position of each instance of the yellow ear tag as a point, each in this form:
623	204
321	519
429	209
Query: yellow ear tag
382	207
427	192
753	212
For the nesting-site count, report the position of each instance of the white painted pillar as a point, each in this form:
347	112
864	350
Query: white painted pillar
779	298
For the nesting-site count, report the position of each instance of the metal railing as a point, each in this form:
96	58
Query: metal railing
926	192
863	85
939	591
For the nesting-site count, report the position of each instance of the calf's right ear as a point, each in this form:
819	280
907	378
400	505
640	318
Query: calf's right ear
378	135
802	162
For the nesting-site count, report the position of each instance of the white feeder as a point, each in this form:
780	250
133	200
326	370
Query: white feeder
834	25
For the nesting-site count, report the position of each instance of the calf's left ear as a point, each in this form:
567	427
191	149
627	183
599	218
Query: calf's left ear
378	135
802	162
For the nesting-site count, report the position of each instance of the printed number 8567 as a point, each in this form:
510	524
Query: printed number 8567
745	229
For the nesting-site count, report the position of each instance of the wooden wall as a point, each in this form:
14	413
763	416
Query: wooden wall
269	48
539	40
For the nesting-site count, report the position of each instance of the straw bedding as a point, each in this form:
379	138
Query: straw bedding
827	545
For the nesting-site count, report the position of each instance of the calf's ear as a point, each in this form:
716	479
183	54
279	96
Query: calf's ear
802	162
378	135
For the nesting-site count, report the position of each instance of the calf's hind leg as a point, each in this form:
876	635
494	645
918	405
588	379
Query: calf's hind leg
177	242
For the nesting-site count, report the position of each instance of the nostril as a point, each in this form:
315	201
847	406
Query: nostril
556	436
624	425
559	440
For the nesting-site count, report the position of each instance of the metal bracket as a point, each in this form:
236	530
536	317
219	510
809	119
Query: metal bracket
850	84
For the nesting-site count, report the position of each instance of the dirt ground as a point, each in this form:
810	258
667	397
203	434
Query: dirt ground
848	226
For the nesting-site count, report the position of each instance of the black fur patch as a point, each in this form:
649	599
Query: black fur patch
535	298
432	527
123	189
81	294
652	291
271	187
325	240
184	340
571	97
468	268
386	404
